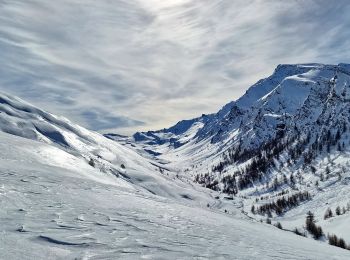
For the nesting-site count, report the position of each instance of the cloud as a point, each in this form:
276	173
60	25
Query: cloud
97	119
140	64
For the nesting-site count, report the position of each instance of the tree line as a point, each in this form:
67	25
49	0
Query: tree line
281	205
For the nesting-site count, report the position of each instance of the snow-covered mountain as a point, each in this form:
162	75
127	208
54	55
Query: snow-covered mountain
297	100
285	139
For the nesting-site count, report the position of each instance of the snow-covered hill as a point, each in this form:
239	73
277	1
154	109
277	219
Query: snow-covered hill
69	193
93	153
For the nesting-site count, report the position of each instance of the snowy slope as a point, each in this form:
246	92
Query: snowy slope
109	159
53	210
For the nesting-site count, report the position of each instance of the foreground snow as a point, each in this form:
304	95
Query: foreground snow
55	211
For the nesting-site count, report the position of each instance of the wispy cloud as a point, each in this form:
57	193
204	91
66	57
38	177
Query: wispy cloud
139	64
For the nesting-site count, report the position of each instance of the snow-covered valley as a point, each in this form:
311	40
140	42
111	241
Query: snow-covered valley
70	193
174	129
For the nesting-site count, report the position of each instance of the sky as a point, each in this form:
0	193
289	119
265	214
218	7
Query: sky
129	65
